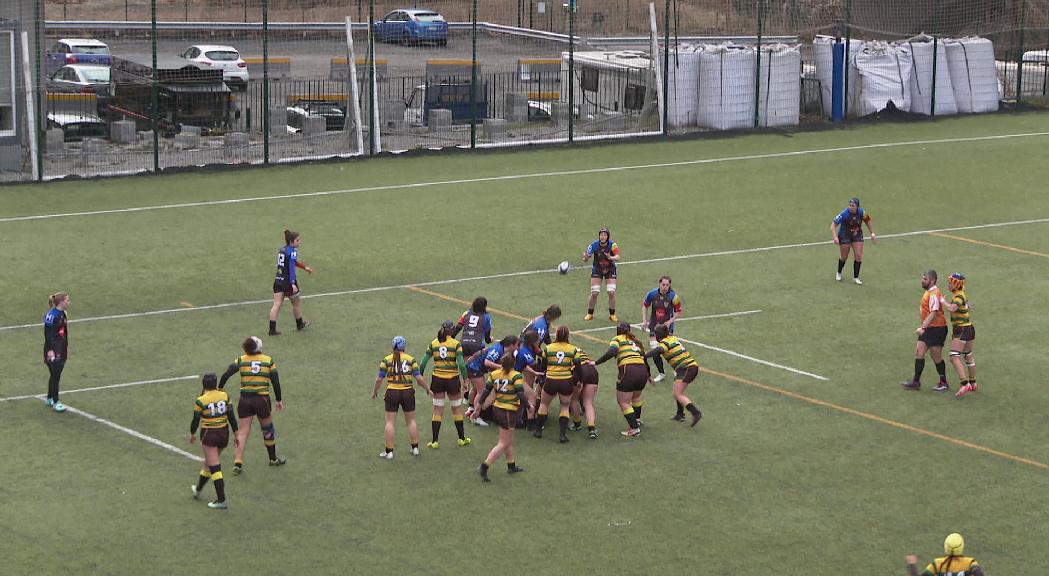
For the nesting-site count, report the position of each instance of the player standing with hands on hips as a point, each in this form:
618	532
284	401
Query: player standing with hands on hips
847	231
605	253
285	284
56	346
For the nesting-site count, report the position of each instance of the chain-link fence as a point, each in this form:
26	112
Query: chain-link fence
95	87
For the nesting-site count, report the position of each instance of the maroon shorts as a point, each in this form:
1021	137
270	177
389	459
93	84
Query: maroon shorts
687	374
403	399
586	374
257	405
506	419
451	386
964	333
632	378
554	386
217	437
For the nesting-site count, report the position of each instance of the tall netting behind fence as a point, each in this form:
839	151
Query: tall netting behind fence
121	86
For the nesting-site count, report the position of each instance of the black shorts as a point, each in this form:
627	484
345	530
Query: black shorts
555	387
403	399
934	336
604	274
632	378
851	238
217	437
964	333
586	374
503	418
687	374
257	405
289	290
450	385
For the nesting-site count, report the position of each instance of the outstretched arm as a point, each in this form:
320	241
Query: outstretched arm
233	368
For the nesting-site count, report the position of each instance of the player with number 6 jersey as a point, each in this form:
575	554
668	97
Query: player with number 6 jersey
448	365
211	414
258	376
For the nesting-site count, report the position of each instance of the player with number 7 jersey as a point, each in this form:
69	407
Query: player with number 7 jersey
258	375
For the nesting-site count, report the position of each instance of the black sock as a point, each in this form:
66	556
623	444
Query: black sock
273	325
841	266
856	268
510	466
637	412
389	450
484	469
435	427
415	446
272	450
941	369
919	365
299	323
540	421
220	484
458	430
590	311
563	423
611	311
692	409
659	364
680	409
203	480
631	420
590	427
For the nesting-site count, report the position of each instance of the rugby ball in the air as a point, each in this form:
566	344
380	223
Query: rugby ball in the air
563	267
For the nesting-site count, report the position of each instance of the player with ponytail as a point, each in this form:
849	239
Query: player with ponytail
399	370
633	375
285	283
56	345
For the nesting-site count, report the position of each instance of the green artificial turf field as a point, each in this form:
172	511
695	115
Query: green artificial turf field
810	459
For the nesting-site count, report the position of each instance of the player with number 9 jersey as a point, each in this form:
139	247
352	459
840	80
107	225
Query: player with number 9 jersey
476	326
561	360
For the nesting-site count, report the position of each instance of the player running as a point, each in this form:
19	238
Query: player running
211	413
931	335
847	233
285	283
504	393
399	370
56	346
963	333
447	355
562	358
633	375
953	564
665	308
605	253
258	374
685	367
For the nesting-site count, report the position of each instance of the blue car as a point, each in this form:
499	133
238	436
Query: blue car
412	27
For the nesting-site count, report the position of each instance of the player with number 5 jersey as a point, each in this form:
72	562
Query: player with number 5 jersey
258	376
211	414
448	365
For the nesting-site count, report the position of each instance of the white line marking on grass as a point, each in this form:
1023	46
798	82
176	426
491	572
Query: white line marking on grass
706	317
106	387
753	359
135	433
524	273
577	172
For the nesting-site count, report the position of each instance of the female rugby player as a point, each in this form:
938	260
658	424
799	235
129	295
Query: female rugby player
561	360
477	365
963	333
605	253
586	390
211	413
258	374
56	346
684	365
447	355
504	392
633	375
399	370
847	232
285	284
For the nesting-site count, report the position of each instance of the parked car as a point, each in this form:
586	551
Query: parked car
83	79
76	127
333	113
412	26
225	58
77	51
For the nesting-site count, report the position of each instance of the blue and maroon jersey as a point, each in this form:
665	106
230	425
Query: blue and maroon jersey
287	258
851	225
601	253
55	338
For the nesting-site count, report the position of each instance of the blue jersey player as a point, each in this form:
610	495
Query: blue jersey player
285	283
847	231
605	253
476	366
56	345
541	324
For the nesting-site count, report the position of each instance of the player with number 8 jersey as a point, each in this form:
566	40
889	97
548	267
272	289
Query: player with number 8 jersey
211	414
258	374
448	365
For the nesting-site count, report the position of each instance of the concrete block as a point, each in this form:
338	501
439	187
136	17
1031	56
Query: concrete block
439	119
559	113
494	128
122	131
515	107
93	146
314	126
278	121
193	130
235	139
187	141
145	136
56	140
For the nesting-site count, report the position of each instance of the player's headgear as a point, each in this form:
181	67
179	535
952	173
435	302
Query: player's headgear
258	343
661	332
399	343
954	544
855	200
623	328
447	326
956	281
605	230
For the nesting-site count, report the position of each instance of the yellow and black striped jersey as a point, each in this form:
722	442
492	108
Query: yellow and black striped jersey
444	354
560	360
951	566
213	406
255	370
627	351
675	353
398	374
583	356
506	387
960	317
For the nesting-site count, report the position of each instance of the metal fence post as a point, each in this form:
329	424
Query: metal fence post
41	114
757	69
848	51
265	82
154	89
473	75
666	67
571	70
371	77
935	55
1020	53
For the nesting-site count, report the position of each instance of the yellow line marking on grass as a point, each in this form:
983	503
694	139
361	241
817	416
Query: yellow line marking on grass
802	397
991	244
186	305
